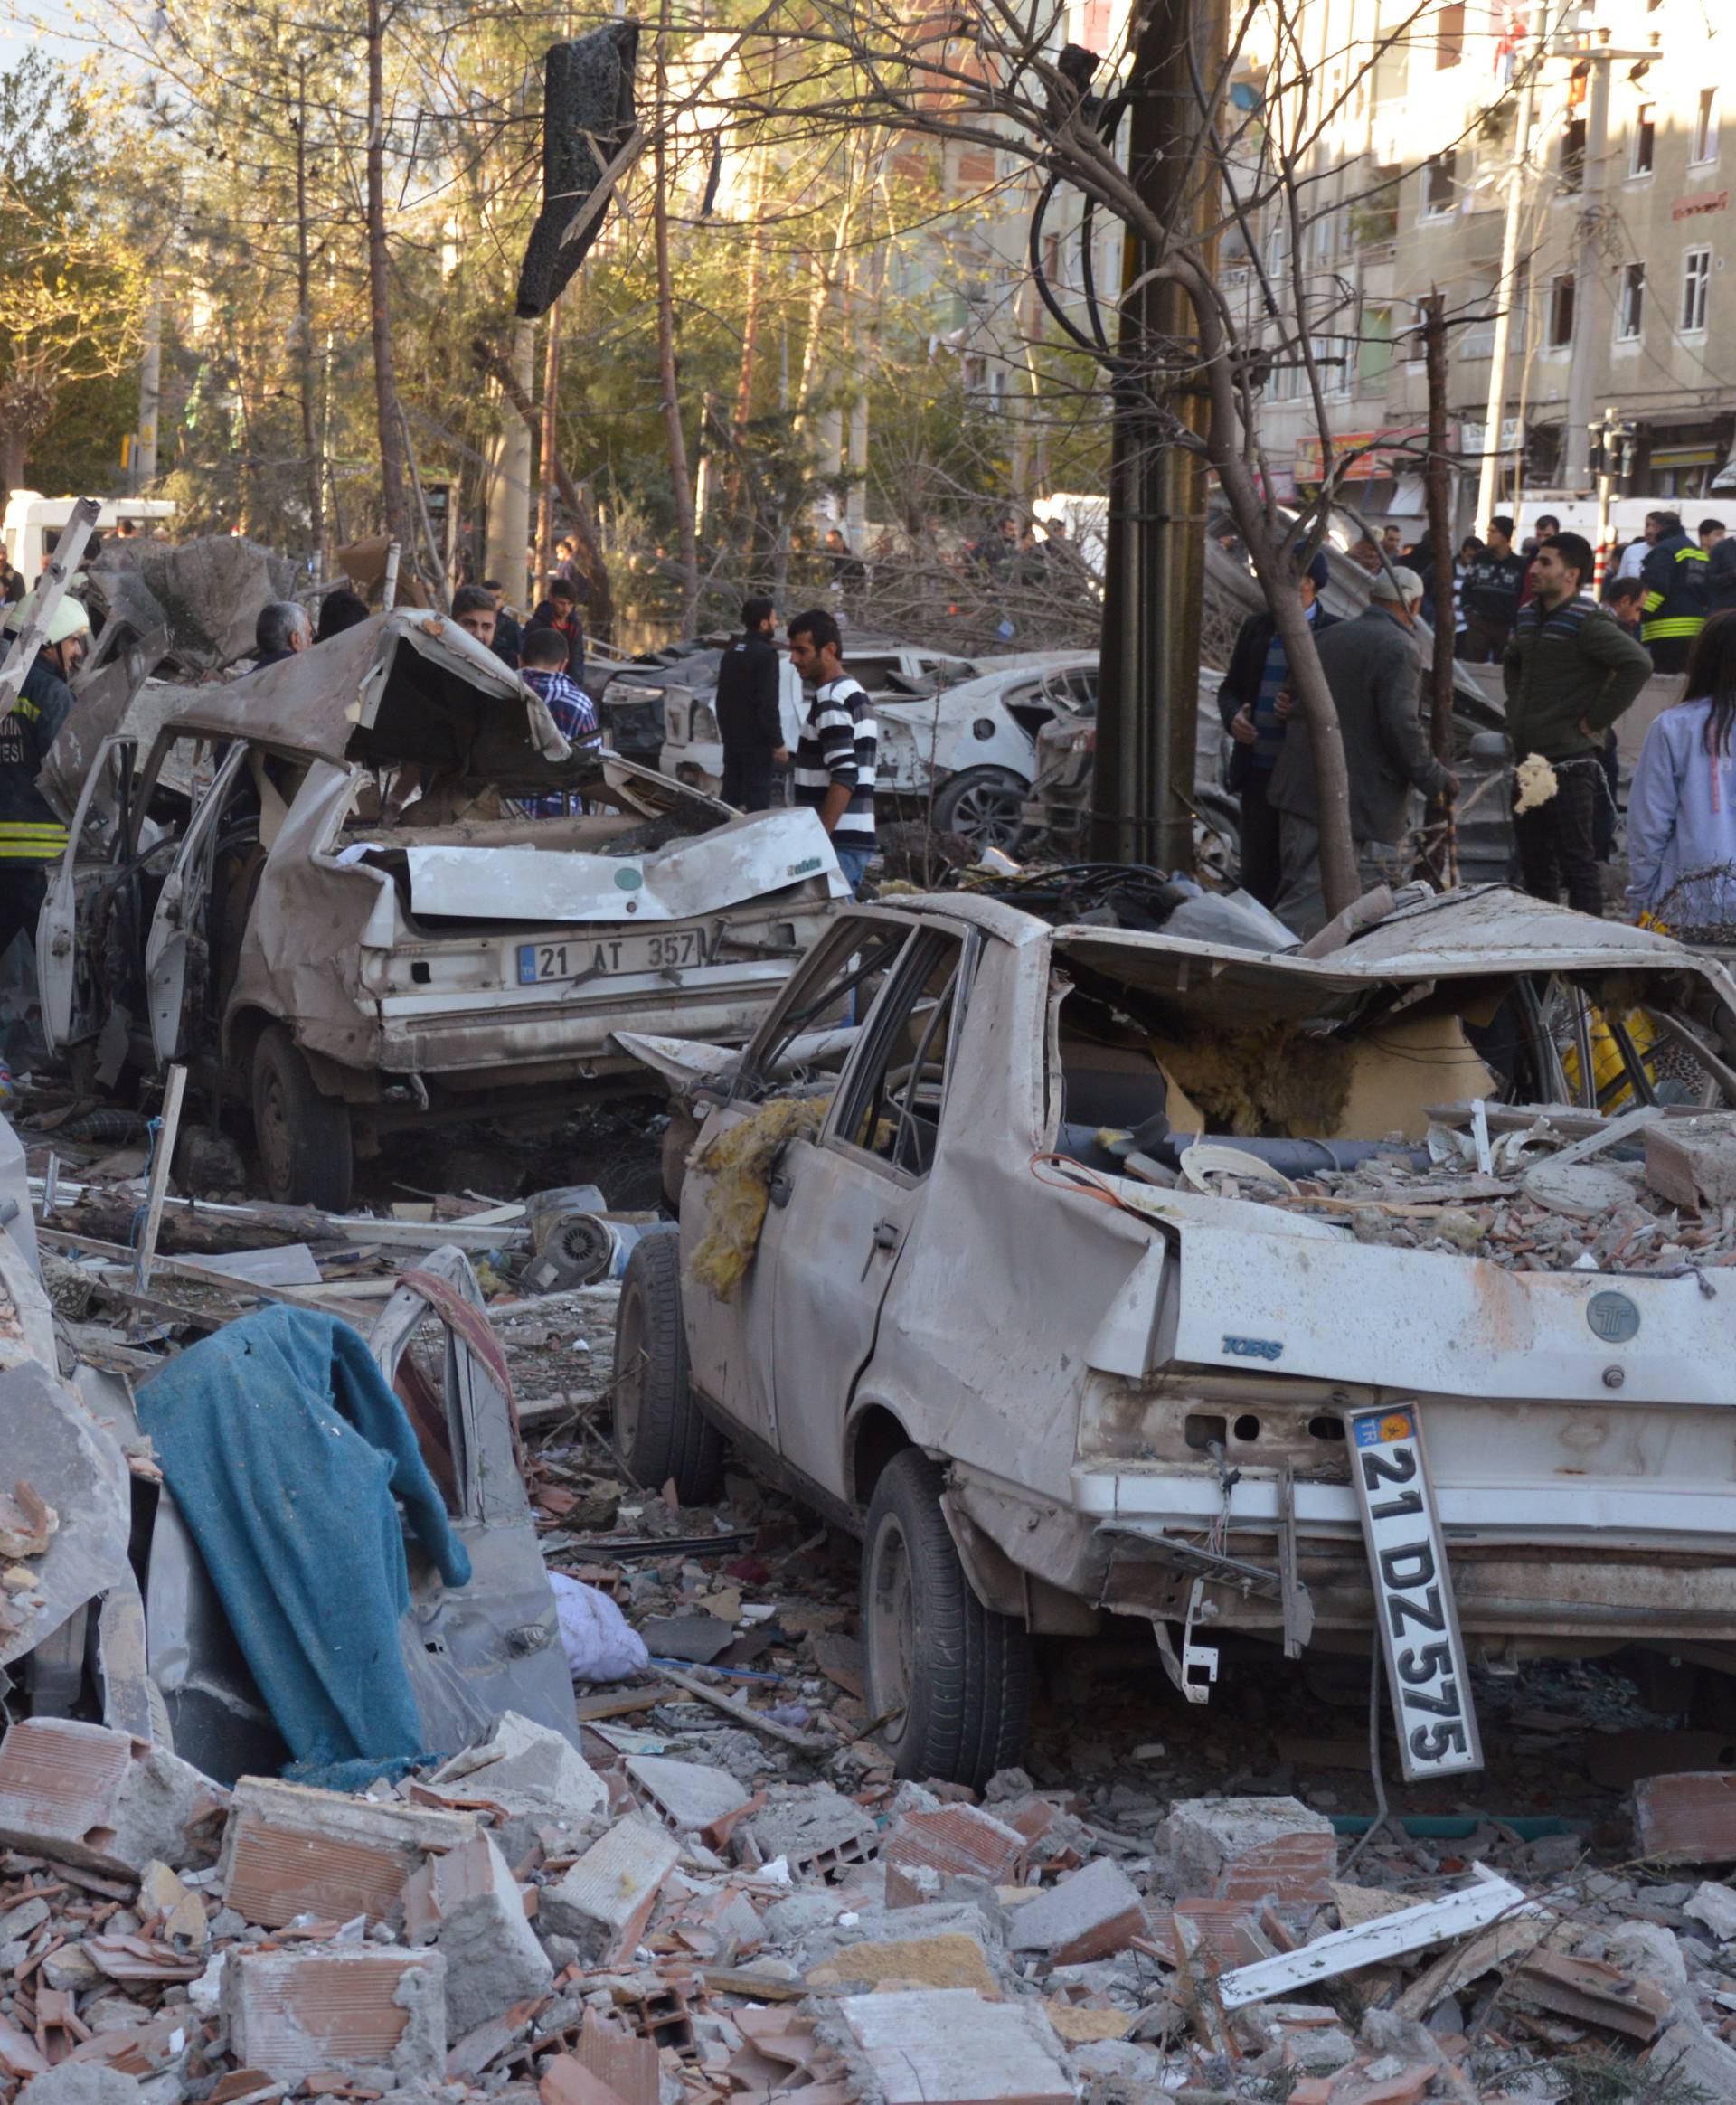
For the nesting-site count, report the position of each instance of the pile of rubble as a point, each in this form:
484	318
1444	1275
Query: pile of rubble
626	1927
1532	1190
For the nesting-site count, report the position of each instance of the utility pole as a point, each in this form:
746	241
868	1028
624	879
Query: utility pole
550	434
1142	792
1507	285
394	484
1588	268
1436	479
150	393
315	467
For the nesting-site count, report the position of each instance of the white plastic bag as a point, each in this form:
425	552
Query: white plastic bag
599	1643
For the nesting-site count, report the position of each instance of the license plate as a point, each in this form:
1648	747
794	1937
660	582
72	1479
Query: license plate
1413	1594
577	958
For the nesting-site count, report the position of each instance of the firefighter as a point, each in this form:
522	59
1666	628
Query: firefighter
31	836
1678	595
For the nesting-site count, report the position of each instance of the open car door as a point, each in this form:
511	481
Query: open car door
177	952
88	887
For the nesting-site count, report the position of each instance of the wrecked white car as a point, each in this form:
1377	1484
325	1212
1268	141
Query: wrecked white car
240	893
952	1271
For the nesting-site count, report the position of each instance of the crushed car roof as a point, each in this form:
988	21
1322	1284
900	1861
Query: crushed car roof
403	686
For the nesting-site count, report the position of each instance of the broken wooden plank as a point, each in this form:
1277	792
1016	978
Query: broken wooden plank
167	1130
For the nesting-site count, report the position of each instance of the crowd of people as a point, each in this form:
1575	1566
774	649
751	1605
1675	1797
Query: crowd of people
1572	665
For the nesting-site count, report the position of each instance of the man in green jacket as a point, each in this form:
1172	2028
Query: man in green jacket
1570	669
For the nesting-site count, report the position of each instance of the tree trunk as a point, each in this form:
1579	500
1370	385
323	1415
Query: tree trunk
1440	537
545	471
601	612
750	342
681	482
393	485
304	328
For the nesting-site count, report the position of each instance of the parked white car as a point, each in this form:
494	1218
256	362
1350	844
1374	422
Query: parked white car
1043	1380
237	894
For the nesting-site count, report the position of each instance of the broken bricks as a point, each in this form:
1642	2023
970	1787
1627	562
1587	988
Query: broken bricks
1092	1913
291	1850
1687	1818
88	1796
471	1907
948	2047
1251	1849
351	2006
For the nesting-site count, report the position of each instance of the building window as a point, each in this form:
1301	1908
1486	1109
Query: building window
1630	304
1560	311
1440	185
1705	127
1450	36
1374	359
1645	139
1696	282
1094	26
1573	154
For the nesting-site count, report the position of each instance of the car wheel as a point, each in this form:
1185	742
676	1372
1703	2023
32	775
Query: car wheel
306	1150
660	1431
983	805
949	1679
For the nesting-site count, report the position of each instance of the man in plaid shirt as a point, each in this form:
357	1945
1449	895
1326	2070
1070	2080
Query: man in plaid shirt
542	665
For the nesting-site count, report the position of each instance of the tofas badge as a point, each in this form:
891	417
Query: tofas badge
1612	1316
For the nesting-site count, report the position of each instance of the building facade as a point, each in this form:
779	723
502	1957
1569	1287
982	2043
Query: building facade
1409	167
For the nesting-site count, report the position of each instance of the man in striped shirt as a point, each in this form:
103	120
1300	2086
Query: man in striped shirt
835	757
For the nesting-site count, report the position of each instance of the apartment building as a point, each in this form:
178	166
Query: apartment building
1623	238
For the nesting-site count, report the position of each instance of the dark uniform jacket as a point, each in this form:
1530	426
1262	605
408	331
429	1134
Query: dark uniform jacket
29	830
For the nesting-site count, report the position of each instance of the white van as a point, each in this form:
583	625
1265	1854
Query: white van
32	517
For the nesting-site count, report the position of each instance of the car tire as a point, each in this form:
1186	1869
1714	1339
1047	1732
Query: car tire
949	1679
661	1435
983	807
306	1147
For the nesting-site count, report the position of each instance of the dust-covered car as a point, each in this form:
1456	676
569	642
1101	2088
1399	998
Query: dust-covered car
953	1264
373	885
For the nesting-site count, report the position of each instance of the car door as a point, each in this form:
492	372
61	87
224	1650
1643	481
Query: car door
849	1200
81	892
177	951
730	1341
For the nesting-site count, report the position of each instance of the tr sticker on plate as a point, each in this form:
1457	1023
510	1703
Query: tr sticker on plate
1413	1594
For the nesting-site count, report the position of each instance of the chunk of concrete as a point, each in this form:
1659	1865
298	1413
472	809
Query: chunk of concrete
1251	1849
688	1794
949	2047
1686	1818
82	2083
348	2006
1091	1914
1713	1905
525	1767
290	1850
102	1799
469	1903
605	1903
1692	1162
817	1831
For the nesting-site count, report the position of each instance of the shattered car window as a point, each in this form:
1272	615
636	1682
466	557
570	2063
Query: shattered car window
892	1106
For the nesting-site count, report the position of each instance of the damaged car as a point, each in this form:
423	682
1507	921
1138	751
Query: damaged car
372	886
1081	1270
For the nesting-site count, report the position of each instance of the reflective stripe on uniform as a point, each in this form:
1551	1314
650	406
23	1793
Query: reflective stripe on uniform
1652	602
1672	625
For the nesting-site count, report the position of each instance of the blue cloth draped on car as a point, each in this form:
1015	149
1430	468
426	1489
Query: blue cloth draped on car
289	1457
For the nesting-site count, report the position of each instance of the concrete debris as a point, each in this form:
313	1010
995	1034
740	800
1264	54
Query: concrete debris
524	1767
1252	1849
947	2048
1688	1818
290	1850
604	1902
100	1799
294	2013
1092	1913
